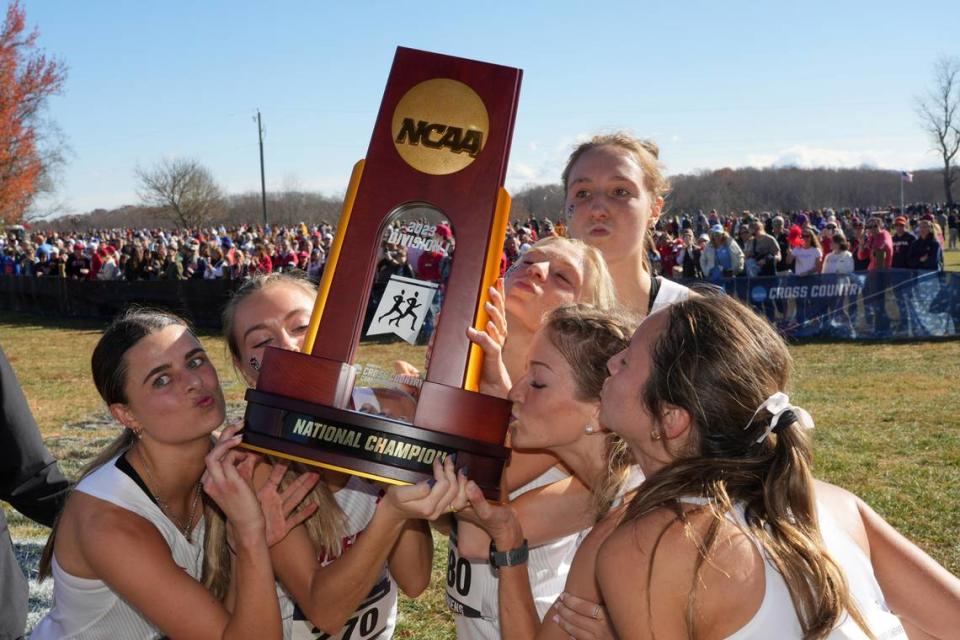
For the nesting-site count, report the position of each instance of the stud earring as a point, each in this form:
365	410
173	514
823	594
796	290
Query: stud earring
655	435
589	429
255	364
137	432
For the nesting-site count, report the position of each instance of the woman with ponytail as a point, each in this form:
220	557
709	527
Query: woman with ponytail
126	555
731	536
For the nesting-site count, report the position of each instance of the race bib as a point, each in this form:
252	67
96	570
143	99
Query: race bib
371	618
461	600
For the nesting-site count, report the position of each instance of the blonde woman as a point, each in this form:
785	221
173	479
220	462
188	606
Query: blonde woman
556	403
552	503
342	568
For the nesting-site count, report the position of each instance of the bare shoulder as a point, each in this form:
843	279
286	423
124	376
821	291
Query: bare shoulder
107	532
727	587
846	509
95	537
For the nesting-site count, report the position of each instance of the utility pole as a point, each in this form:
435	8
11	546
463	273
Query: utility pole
263	184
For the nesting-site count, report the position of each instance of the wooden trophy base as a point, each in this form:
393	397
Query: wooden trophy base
363	444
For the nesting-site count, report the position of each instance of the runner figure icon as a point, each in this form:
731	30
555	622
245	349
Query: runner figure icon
411	305
402	299
397	301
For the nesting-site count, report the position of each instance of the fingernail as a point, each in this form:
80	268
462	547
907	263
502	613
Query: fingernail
464	470
452	458
556	619
489	305
431	482
492	290
563	595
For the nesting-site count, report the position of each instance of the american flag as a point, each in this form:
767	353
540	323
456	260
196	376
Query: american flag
906	176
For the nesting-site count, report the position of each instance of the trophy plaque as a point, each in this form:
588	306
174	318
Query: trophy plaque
434	171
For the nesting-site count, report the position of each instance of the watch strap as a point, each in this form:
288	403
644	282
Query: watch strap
510	558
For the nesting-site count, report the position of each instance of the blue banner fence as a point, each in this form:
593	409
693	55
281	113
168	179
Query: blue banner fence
896	304
881	305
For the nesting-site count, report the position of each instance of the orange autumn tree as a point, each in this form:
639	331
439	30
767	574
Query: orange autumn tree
27	79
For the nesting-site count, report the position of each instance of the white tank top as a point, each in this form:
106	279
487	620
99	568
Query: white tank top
472	587
669	293
87	609
376	616
777	618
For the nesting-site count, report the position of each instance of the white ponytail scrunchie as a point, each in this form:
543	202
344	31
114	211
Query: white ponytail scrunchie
778	404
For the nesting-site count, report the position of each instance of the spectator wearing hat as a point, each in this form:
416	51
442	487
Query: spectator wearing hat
96	258
722	257
109	266
901	240
229	251
173	264
876	245
192	267
764	250
78	265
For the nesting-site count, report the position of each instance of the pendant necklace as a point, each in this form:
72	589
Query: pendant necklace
186	528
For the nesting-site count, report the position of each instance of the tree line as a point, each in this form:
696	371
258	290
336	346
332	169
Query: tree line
772	189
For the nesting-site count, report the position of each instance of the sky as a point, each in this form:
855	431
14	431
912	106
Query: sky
728	84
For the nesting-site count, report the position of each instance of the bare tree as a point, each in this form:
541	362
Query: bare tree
183	188
939	113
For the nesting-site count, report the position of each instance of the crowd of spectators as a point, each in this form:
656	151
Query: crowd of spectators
162	254
711	246
698	245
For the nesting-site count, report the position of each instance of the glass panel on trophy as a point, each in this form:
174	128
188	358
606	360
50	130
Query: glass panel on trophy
413	266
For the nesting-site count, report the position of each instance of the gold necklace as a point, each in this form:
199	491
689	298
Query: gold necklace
186	528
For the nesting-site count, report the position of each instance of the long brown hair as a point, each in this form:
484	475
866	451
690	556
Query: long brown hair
587	337
109	367
328	526
719	361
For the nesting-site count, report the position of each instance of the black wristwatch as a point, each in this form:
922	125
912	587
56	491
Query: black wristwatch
510	558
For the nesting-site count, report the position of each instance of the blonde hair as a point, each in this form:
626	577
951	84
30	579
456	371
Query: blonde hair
587	337
328	526
597	288
297	279
718	361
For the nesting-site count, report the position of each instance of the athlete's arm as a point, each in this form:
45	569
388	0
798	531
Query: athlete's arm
411	559
545	514
916	587
132	558
329	595
582	585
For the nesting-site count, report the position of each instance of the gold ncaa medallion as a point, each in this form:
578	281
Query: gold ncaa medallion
440	126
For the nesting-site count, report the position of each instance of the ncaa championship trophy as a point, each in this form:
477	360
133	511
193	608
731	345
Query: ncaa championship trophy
433	173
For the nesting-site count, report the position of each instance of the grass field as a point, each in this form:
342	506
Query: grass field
886	414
